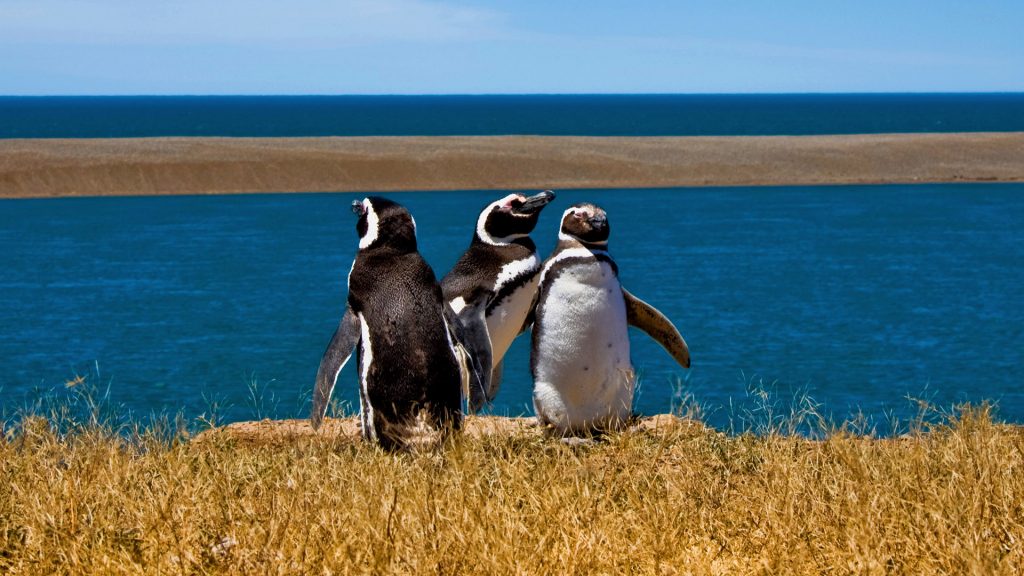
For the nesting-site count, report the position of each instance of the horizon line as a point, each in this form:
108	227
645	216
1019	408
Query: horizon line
486	94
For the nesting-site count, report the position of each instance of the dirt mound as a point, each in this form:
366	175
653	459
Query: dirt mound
276	432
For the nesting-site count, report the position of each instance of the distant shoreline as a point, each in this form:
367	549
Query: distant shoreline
167	166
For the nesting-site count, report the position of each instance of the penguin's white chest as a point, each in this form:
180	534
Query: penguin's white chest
506	320
583	377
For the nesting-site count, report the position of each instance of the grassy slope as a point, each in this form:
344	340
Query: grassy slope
677	499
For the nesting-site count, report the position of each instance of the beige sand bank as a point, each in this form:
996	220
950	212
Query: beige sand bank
95	167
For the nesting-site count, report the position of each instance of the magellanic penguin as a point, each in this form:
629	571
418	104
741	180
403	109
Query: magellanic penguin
582	372
396	320
491	287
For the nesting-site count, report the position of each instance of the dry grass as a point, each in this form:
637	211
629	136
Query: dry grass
678	498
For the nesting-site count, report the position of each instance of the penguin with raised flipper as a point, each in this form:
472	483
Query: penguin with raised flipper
410	363
492	285
583	376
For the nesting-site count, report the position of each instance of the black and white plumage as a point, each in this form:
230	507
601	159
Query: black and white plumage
583	375
409	362
492	286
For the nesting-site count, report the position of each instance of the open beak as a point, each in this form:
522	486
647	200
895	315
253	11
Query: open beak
598	223
536	202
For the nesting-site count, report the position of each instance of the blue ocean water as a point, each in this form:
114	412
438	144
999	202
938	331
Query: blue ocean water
588	115
859	296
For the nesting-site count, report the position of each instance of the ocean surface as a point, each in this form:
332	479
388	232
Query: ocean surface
861	297
586	115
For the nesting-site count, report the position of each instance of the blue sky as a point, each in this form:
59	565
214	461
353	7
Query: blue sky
446	47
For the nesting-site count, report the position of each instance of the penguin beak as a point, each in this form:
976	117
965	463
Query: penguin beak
357	207
536	202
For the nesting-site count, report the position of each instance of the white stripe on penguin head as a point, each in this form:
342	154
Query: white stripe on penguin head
481	224
372	224
562	236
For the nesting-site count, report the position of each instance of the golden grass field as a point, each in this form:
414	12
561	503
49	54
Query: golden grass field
671	496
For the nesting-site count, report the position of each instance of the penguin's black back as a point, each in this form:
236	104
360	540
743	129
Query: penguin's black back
399	299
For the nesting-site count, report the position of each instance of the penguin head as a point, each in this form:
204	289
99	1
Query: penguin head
511	217
384	223
586	223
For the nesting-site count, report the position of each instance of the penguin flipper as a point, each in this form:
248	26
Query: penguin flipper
531	315
496	374
477	342
477	354
337	354
657	326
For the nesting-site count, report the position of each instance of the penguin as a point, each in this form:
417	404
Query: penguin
491	287
579	358
409	362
